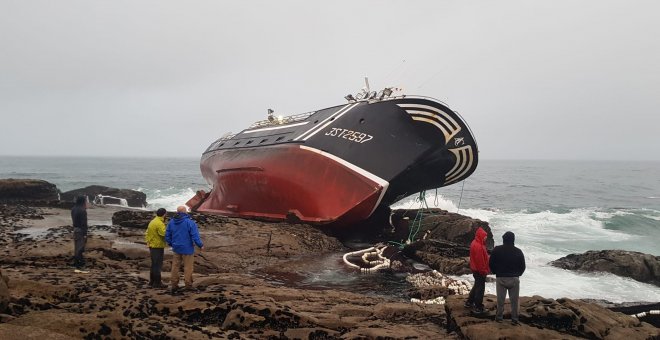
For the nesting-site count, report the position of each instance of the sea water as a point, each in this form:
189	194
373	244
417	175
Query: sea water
555	208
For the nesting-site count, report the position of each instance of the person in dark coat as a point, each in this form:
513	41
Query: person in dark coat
507	262
479	267
79	219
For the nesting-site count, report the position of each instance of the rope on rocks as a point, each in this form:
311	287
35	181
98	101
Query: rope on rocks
643	314
417	222
371	257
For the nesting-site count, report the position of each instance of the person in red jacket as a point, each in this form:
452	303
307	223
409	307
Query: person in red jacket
479	266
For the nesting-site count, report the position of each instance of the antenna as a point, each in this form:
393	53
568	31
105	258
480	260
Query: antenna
366	82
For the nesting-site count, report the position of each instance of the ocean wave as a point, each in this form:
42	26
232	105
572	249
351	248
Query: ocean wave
606	215
169	198
657	218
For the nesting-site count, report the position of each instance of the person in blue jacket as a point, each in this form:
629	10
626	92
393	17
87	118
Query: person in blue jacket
182	235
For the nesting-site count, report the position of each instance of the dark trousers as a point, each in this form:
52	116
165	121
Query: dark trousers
476	296
79	241
156	266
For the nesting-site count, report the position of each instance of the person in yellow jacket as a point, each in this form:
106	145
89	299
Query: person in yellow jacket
155	238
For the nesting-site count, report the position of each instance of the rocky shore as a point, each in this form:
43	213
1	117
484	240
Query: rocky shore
264	280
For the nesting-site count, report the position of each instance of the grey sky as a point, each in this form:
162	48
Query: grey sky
550	80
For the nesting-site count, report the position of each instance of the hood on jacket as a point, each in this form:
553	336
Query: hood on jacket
480	235
180	218
508	238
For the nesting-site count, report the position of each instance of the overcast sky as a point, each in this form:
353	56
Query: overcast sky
534	80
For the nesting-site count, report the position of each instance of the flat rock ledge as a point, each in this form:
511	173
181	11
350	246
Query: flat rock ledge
231	298
542	318
639	266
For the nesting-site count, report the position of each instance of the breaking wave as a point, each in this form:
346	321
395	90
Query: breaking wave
169	198
548	235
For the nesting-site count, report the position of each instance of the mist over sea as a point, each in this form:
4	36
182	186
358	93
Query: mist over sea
554	207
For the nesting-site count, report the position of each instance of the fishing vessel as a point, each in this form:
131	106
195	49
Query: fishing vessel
337	165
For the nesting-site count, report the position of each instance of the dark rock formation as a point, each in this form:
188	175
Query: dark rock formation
440	224
4	292
639	266
133	198
12	190
542	318
443	256
140	219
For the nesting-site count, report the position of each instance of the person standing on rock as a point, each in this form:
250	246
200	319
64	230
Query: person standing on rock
507	263
79	219
182	235
155	238
480	269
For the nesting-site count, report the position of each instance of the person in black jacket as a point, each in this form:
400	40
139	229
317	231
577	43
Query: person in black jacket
507	262
79	218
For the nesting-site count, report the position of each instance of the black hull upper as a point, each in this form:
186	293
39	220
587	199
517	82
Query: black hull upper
411	143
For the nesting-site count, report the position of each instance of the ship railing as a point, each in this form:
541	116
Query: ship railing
281	120
227	137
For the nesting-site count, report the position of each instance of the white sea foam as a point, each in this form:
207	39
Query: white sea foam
657	218
441	202
169	198
602	215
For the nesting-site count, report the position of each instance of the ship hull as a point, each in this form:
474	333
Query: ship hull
337	165
281	182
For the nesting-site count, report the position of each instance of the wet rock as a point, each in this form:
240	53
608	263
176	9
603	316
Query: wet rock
140	218
133	198
440	224
443	256
641	310
545	318
240	320
234	286
4	292
639	266
132	218
27	190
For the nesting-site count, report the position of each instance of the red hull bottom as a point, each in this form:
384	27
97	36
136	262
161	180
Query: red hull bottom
289	182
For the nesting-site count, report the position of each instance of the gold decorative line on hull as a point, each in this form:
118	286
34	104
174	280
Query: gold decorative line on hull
464	159
439	118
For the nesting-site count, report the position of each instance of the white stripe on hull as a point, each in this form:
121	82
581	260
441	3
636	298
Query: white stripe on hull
381	182
328	118
330	122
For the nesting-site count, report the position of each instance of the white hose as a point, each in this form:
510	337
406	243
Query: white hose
380	263
643	314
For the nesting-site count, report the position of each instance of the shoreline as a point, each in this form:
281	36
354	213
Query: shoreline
229	300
